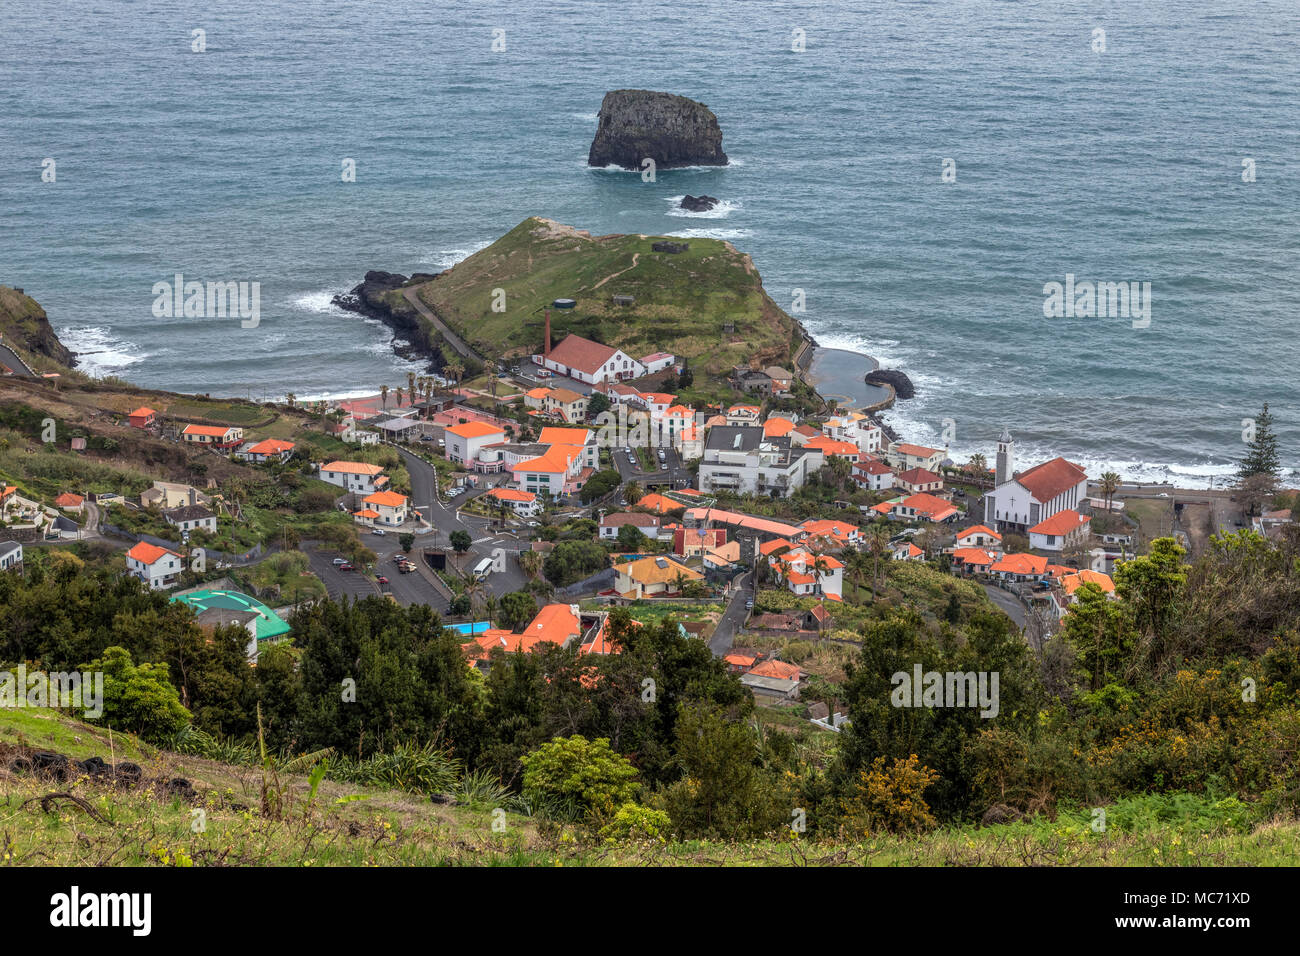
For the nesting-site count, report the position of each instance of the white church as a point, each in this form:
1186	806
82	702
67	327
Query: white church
1020	501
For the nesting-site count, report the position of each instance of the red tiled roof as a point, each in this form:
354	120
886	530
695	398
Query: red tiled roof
1020	564
148	553
582	354
979	529
475	430
1051	478
1061	523
918	476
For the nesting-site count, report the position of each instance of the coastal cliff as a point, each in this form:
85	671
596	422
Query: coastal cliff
24	325
641	124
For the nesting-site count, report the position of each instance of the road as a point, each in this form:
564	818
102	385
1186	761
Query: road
733	617
338	583
1009	603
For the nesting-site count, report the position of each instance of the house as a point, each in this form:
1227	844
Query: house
1019	502
1020	567
269	449
737	458
657	361
689	442
856	428
773	679
693	542
168	494
11	555
355	476
798	570
800	435
905	455
522	503
650	576
764	529
464	442
191	518
584	438
213	436
906	551
142	417
753	381
157	567
834	448
611	523
1065	529
589	361
925	507
777	427
393	509
780	379
69	502
872	474
550	472
841	534
916	480
1270	523
348	431
722	556
658	504
978	537
740	661
1070	583
743	415
563	404
975	560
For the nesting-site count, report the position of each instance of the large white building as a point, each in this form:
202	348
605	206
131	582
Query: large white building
738	459
590	362
1021	501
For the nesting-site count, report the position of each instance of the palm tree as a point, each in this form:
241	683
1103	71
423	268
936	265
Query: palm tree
679	582
632	492
877	544
530	562
474	591
290	398
1109	485
383	396
399	396
452	371
491	368
821	567
410	385
978	465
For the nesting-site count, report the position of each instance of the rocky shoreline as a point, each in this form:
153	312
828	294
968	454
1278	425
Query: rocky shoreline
409	339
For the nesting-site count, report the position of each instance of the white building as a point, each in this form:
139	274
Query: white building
873	475
737	458
1065	529
11	555
393	509
591	362
157	567
1021	501
524	504
463	442
354	476
191	518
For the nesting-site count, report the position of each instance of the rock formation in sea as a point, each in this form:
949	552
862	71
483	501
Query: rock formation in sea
698	203
23	323
635	125
366	298
903	387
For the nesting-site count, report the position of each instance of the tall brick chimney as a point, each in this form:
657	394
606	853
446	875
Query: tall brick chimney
546	345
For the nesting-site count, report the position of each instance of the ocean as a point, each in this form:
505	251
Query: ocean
1122	164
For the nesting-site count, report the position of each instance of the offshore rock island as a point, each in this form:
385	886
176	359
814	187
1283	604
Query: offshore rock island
674	131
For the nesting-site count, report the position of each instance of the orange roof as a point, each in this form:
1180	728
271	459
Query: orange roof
977	556
767	547
655	569
916	451
778	669
740	660
538	392
833	447
918	476
936	509
582	354
658	503
366	513
141	412
1062	523
1020	564
658	398
1051	478
872	466
776	427
389	499
474	430
679	411
9	490
743	408
212	431
511	494
763	525
979	529
555	435
352	468
555	623
270	446
68	500
556	460
147	553
829	527
1073	582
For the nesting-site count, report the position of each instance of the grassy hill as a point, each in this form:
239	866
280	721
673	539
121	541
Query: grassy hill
349	825
682	299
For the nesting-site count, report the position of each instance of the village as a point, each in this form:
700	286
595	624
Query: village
527	502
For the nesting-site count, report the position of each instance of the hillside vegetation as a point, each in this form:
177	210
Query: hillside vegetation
682	299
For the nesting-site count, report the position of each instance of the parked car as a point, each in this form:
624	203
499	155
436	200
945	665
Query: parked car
749	605
346	567
377	531
381	580
338	561
399	558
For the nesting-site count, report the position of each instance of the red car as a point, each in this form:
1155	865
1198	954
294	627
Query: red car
381	580
346	567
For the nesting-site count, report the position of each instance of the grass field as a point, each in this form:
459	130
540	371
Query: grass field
682	300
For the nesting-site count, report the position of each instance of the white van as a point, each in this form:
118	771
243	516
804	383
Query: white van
483	569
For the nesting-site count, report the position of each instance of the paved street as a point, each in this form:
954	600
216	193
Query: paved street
733	617
338	583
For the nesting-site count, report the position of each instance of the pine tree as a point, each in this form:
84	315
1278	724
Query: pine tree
1262	457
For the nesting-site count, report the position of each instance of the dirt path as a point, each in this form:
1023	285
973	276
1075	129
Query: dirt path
635	257
452	339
